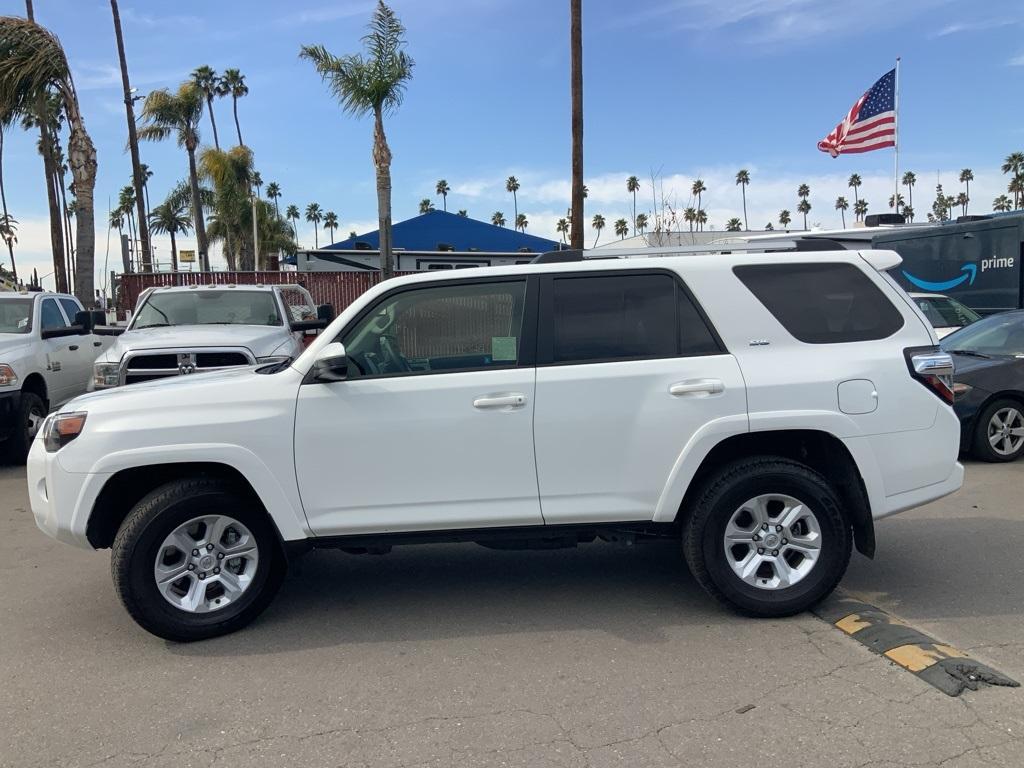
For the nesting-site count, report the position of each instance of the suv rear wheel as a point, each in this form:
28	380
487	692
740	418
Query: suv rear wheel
767	536
194	560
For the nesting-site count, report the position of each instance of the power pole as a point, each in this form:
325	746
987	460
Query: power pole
576	88
133	144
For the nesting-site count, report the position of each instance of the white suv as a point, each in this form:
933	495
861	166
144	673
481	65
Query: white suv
763	408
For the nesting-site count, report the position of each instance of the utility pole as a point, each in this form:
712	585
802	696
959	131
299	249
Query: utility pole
133	144
576	89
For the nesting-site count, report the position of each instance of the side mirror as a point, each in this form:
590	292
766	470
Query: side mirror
60	333
308	325
331	364
325	312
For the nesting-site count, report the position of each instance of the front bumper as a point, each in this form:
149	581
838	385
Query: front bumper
58	497
10	409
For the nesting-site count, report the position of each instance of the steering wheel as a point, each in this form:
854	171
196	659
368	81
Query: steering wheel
392	360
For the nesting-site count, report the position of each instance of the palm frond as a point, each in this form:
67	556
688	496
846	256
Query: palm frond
31	62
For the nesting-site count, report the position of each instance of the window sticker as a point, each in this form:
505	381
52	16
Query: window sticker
503	348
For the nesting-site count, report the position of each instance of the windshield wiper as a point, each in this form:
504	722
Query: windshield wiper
970	353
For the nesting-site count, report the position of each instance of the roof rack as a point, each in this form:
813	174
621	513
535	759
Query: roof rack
772	246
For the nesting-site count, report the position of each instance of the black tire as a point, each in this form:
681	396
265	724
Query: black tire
142	534
982	448
725	492
19	442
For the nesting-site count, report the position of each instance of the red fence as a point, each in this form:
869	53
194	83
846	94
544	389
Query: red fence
338	289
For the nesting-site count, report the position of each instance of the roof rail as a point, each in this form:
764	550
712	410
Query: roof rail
769	246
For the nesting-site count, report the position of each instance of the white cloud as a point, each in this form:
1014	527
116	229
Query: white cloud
326	13
1017	61
975	26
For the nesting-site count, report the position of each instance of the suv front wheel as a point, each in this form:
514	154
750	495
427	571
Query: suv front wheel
194	559
767	536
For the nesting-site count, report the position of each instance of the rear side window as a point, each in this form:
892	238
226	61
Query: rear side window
71	308
822	303
623	317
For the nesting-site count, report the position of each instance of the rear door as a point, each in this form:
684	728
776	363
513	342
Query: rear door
628	371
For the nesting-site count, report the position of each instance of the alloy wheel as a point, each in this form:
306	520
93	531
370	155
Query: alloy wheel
1006	431
772	541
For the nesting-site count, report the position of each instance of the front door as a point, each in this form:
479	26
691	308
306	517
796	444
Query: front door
61	371
629	372
434	427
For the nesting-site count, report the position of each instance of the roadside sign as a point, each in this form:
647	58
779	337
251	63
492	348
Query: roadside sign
187	257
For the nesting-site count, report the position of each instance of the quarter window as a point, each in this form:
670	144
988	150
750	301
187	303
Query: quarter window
624	317
822	303
441	329
50	316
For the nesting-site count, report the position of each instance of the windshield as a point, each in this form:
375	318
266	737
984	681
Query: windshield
15	315
944	312
995	335
206	307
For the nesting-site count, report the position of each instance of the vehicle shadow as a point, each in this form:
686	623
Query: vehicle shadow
432	592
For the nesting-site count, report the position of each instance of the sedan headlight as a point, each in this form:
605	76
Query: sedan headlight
7	376
106	375
61	429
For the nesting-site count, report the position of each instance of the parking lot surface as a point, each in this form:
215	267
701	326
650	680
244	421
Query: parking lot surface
457	655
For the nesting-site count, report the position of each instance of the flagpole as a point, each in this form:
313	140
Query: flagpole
896	140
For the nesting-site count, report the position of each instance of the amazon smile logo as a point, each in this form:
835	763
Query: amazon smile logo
970	274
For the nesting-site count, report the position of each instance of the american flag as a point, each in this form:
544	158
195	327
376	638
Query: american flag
870	124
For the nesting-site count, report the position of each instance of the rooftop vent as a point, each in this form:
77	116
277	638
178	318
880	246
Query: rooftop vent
361	245
877	219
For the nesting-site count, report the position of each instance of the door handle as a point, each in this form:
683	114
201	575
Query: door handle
697	387
73	347
508	402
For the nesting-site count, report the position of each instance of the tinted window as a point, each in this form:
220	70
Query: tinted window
71	308
623	317
822	303
943	312
440	329
50	316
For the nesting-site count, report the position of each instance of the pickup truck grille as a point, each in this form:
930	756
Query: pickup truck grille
158	365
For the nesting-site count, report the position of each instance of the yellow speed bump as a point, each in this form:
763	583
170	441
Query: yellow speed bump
919	657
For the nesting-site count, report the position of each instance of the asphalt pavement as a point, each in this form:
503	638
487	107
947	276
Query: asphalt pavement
456	655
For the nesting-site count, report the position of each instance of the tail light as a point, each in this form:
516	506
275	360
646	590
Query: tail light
933	368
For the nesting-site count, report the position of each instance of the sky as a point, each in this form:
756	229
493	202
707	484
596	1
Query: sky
673	90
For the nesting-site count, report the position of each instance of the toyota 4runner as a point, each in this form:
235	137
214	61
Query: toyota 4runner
764	409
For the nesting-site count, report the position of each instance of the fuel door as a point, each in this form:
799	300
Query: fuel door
857	396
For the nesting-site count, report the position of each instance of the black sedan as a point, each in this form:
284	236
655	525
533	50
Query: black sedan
989	385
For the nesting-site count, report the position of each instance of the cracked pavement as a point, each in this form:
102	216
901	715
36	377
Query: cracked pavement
457	655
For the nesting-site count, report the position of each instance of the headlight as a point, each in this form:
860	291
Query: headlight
106	375
274	359
61	429
7	376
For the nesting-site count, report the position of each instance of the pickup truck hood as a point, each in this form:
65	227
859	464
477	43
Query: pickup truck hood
261	340
14	346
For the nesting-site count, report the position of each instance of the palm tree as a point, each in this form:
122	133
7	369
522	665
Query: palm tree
854	183
1016	186
314	215
702	218
1014	163
498	219
292	214
860	208
908	213
443	189
769	227
962	200
598	224
950	203
576	99
896	201
733	225
966	177
274	193
165	114
463	213
126	202
32	64
561	227
372	84
6	118
743	178
233	82
9	233
231	173
206	80
784	218
257	181
804	207
698	189
690	217
426	206
909	180
641	223
633	186
331	222
521	222
171	219
1002	203
842	205
621	228
512	185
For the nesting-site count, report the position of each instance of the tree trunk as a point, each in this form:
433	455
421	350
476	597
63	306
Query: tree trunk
576	93
213	122
382	163
3	198
174	252
133	145
316	234
229	251
234	107
197	210
743	191
69	243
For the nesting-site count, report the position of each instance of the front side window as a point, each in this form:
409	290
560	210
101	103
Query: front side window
50	316
822	303
15	316
440	329
202	306
623	317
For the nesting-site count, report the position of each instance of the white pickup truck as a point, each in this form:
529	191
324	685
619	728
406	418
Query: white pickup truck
47	346
183	330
